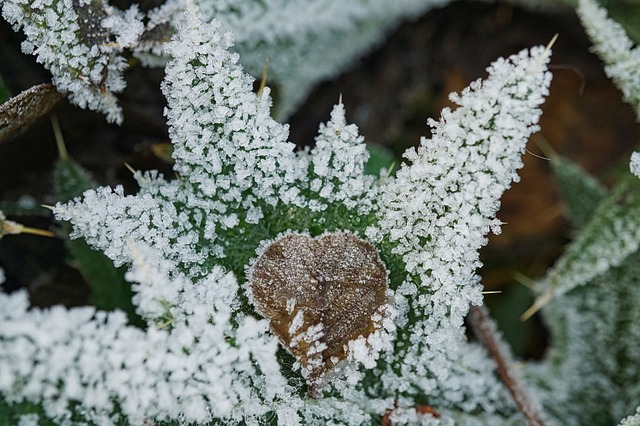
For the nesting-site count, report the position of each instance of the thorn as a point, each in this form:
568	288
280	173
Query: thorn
390	170
525	281
131	169
46	206
492	292
57	133
537	156
546	148
538	304
552	42
263	80
340	99
10	227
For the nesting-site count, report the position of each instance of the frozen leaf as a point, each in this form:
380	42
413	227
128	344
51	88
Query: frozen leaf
615	48
24	109
68	37
594	335
581	192
438	210
605	242
320	296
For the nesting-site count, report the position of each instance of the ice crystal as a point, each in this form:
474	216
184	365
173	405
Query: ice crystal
239	185
611	43
438	210
633	420
634	165
80	42
297	37
338	160
188	370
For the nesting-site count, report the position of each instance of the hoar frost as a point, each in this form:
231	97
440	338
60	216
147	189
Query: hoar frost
615	48
239	186
81	43
94	358
326	298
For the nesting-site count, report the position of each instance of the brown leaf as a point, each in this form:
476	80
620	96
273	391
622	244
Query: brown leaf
24	109
318	294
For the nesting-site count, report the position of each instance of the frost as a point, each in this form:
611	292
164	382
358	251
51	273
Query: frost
338	160
633	420
297	37
68	37
29	420
240	187
439	209
154	373
615	48
126	26
634	165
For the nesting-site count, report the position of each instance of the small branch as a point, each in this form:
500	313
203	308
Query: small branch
486	332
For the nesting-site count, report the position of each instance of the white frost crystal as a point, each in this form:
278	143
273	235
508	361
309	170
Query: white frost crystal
438	210
634	165
84	56
239	184
299	37
633	420
611	43
338	160
188	370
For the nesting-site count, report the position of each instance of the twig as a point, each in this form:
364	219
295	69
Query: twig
485	330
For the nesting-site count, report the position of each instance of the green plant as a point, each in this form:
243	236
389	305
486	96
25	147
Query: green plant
200	245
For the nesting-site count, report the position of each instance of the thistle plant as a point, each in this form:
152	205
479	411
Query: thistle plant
278	286
193	242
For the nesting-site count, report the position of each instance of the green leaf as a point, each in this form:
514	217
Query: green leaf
109	289
605	242
594	329
581	192
627	13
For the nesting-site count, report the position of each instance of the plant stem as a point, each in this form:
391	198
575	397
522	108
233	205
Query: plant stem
486	332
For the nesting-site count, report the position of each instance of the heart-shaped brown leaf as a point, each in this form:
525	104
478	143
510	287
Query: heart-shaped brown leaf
319	294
